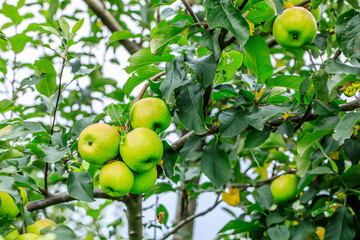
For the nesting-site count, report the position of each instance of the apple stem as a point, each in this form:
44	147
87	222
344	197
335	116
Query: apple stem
90	142
295	36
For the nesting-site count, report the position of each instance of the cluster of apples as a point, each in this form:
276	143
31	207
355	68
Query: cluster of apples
141	150
296	26
32	231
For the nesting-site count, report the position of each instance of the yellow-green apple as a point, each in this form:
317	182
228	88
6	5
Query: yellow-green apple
284	188
315	12
99	143
143	182
28	236
295	27
141	149
116	179
39	225
8	208
11	235
152	113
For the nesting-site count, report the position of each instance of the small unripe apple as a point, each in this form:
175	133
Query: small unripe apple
152	113
11	235
294	28
39	225
143	182
8	208
284	188
141	149
28	236
99	143
116	179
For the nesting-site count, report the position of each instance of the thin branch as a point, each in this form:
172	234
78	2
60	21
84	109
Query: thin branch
303	3
337	54
306	114
243	4
65	197
191	218
190	11
99	9
143	90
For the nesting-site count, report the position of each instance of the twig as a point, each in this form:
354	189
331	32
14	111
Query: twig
108	19
303	3
142	92
191	218
337	54
243	4
65	197
306	114
312	61
191	12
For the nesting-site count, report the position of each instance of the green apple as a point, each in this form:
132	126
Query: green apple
11	235
315	12
99	143
39	225
295	27
116	179
143	182
284	188
8	208
28	236
152	113
141	149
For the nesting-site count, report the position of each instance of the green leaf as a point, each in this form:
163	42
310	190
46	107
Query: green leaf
162	35
80	186
11	12
336	67
44	66
175	73
264	197
309	140
240	226
80	125
122	35
51	30
115	112
18	42
77	26
274	218
53	155
61	232
189	146
288	81
315	3
300	231
255	138
140	76
351	150
190	103
340	225
204	67
160	188
338	79
161	208
309	176
170	156
351	176
347	30
345	128
222	13
25	181
144	57
210	41
279	232
228	66
47	85
259	12
254	118
215	164
257	58
232	122
65	27
6	105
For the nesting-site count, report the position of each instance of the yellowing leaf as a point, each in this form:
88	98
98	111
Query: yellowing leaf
320	232
289	5
232	197
161	162
251	26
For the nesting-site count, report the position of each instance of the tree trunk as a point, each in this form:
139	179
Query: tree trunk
134	216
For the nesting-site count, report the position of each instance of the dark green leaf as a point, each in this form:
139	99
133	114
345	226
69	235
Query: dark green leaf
254	118
255	138
274	218
259	12
351	150
240	226
190	145
341	225
190	104
53	155
300	231
345	128
204	67
288	81
80	125
351	176
209	40
279	232
232	122
264	197
309	140
257	58
336	67
140	76
115	112
61	232
215	164
80	186
170	156
220	13
305	180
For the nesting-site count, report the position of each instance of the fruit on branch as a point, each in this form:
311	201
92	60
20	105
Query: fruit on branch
152	113
141	149
99	143
28	236
295	27
11	235
39	225
8	208
315	12
143	182
284	188
116	179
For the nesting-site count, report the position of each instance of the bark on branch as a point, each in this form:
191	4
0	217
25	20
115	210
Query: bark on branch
99	9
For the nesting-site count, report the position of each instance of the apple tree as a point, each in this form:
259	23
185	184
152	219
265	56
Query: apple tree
247	109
